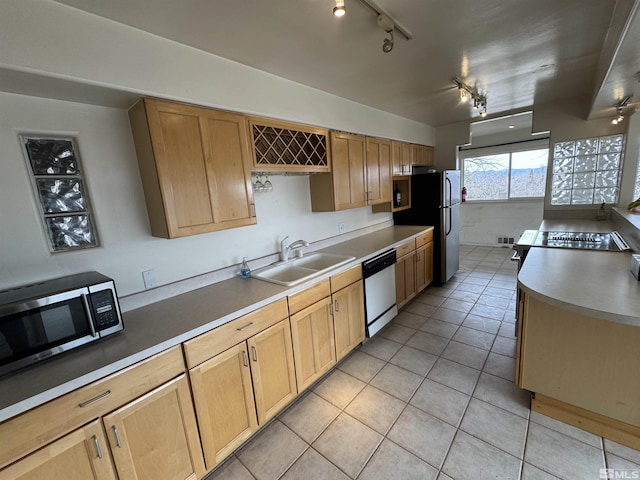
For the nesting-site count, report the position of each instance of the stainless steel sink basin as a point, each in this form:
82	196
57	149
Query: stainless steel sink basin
298	270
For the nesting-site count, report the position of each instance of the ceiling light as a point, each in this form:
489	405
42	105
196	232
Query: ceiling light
471	93
387	43
339	10
619	118
511	126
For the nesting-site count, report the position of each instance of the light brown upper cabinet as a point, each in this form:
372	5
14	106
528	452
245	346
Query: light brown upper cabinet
401	158
195	165
345	186
421	155
360	174
378	163
288	147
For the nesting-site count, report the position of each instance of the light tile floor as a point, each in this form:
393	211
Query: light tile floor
431	397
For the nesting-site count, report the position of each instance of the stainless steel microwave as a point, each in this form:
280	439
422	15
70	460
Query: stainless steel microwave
44	319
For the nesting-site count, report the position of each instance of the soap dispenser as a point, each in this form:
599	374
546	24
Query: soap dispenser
601	215
245	271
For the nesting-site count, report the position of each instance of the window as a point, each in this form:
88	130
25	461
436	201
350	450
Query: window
503	176
60	191
587	171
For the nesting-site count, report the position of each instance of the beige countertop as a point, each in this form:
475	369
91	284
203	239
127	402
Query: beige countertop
161	325
594	283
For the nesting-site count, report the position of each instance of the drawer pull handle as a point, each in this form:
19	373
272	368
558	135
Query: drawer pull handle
255	353
250	324
94	400
97	444
117	435
245	358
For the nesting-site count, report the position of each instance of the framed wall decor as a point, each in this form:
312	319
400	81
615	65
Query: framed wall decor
61	191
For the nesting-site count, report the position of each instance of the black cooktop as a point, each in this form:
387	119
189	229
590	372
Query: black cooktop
581	240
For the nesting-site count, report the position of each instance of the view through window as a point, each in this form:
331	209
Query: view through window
504	176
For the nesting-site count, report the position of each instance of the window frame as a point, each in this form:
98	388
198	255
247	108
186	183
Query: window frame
509	148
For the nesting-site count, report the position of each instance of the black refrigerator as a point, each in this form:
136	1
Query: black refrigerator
435	200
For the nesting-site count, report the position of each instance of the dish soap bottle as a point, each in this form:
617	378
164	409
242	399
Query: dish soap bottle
245	271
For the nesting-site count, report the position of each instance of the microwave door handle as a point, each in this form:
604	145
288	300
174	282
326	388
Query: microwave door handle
87	307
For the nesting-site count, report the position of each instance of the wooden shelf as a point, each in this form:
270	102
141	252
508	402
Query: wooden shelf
404	185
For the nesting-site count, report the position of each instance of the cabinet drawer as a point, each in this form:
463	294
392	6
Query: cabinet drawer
424	238
219	339
405	248
348	277
39	426
309	296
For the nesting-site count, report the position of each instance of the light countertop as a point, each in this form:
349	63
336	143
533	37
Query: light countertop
151	329
594	283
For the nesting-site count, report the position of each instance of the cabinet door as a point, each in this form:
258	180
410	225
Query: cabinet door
225	406
405	279
272	370
348	318
378	171
417	154
348	170
228	169
313	342
155	437
428	155
81	455
424	266
196	173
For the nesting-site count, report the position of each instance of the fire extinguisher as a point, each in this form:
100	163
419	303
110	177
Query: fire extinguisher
464	194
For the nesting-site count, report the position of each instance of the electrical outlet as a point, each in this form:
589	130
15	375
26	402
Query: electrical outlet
150	280
341	227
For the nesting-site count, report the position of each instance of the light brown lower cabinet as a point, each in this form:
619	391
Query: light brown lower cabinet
313	342
153	437
405	279
348	318
424	266
241	388
81	455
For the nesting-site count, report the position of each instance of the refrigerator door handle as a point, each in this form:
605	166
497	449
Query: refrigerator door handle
448	197
450	223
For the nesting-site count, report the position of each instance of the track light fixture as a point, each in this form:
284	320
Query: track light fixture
387	43
339	10
619	118
468	93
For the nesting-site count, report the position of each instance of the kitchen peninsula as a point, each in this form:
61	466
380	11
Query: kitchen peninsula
578	337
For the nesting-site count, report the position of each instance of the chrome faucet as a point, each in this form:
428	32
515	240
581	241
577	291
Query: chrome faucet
284	249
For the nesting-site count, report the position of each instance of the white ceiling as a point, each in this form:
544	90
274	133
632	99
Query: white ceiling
518	53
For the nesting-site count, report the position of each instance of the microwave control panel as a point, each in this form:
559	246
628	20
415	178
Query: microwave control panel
104	309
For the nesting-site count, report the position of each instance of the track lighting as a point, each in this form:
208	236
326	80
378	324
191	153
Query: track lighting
339	9
387	43
468	93
619	118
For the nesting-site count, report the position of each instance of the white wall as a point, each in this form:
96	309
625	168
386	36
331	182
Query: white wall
53	41
108	156
481	222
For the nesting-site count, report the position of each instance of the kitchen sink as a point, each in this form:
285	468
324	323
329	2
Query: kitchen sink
298	270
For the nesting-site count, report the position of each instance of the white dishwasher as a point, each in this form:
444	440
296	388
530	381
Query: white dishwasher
379	274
